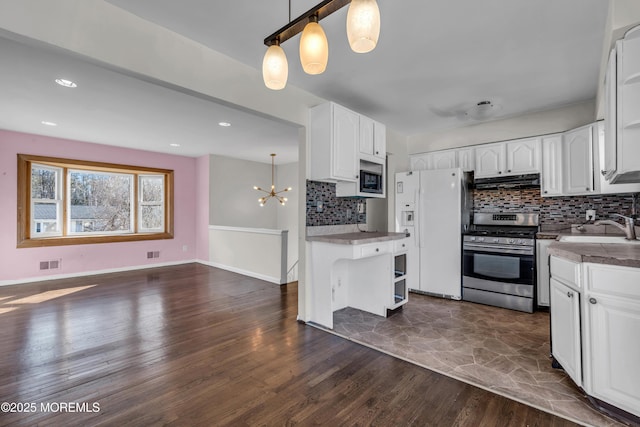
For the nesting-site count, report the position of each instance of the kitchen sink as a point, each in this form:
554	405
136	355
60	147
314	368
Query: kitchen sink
598	239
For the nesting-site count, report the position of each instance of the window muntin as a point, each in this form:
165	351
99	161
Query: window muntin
65	202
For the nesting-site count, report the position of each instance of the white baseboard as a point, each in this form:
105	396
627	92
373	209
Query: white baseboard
92	273
253	274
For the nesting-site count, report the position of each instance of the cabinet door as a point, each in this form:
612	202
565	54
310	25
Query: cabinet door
614	350
551	173
628	107
466	159
565	329
542	264
379	140
610	118
523	156
489	160
346	130
366	135
444	159
578	161
420	162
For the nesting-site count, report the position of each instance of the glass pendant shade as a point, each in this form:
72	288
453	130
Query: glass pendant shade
363	25
314	48
275	69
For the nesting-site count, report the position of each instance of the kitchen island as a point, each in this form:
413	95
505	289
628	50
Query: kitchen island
364	270
595	319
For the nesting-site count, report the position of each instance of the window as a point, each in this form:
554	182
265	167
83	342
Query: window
63	202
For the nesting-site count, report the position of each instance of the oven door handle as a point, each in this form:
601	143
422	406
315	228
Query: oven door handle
497	249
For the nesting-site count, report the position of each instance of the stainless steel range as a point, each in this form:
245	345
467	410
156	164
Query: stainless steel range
498	260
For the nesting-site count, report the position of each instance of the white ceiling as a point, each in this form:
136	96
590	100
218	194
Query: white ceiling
434	60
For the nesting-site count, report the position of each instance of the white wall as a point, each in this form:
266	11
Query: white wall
233	201
397	161
539	123
287	215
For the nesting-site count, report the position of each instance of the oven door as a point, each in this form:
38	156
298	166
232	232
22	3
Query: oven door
499	264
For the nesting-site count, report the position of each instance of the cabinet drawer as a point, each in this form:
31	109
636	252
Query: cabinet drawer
400	245
375	249
613	280
565	270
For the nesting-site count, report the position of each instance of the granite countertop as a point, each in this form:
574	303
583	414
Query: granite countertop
599	253
358	238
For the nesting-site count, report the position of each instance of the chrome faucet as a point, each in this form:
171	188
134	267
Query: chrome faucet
628	227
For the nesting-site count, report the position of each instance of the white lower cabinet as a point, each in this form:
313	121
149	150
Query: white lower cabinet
565	329
595	324
612	335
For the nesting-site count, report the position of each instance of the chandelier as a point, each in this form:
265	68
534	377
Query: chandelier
363	29
273	193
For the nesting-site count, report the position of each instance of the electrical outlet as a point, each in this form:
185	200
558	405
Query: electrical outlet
348	213
319	206
360	207
590	215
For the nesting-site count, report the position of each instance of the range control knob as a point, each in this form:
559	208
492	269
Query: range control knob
512	240
472	238
480	239
520	242
496	240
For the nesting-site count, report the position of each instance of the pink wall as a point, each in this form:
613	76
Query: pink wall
17	265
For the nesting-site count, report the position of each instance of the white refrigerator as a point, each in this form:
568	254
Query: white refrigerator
434	206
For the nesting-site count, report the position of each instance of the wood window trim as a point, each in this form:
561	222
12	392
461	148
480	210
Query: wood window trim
24	239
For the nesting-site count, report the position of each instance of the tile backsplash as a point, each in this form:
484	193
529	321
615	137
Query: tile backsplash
555	212
335	210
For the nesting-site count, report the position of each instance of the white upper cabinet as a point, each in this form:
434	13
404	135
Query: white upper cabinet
420	162
551	175
490	160
334	138
366	135
373	138
622	111
443	159
577	156
520	156
466	159
379	140
602	186
523	156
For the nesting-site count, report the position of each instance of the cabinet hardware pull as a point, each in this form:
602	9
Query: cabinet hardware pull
593	300
509	170
569	294
603	172
587	188
499	172
377	249
545	191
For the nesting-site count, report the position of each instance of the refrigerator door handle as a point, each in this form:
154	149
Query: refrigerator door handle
419	237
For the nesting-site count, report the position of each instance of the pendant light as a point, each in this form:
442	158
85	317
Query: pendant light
273	193
314	47
275	68
363	25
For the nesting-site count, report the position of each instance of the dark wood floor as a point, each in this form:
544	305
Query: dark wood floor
194	345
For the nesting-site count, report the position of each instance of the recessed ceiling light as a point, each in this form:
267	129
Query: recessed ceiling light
44	122
175	145
224	124
66	83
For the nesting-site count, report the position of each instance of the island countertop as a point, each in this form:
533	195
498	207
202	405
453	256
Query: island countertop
357	238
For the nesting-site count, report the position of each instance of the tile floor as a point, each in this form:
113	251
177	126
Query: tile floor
500	350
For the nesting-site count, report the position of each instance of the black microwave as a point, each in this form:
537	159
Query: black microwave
370	182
